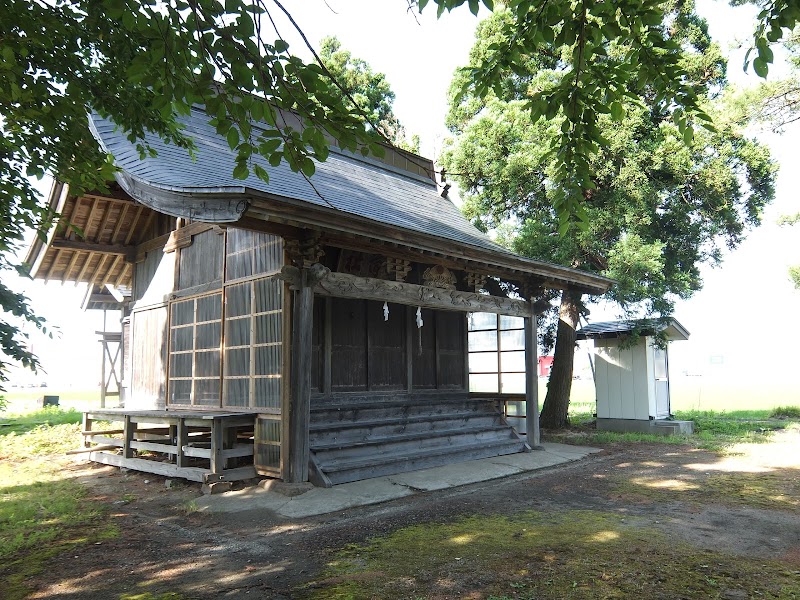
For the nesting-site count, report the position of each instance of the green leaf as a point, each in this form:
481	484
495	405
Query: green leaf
233	138
617	111
241	171
281	46
761	67
308	167
474	7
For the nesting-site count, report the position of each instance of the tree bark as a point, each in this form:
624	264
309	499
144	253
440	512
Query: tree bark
556	402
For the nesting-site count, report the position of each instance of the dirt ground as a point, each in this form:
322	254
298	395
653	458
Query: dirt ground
746	503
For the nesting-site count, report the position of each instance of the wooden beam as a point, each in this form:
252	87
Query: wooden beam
89	217
70	266
531	383
150	466
98	236
127	251
110	272
64	223
134	222
342	285
120	221
125	268
52	266
84	267
148	221
100	264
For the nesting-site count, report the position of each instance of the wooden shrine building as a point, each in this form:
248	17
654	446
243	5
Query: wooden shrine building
330	332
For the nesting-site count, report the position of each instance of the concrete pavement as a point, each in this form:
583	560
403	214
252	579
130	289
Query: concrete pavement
318	501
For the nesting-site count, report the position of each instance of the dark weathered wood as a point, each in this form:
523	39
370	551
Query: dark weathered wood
181	439
410	329
348	345
342	285
423	349
531	384
100	431
129	252
386	347
150	466
330	222
217	446
300	386
327	346
130	432
450	349
92	449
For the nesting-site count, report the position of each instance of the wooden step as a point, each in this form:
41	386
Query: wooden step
340	431
365	468
400	443
381	410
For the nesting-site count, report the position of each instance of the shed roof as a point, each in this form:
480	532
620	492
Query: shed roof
613	329
376	199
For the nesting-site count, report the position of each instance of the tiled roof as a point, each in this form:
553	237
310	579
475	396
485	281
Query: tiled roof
202	187
607	329
350	183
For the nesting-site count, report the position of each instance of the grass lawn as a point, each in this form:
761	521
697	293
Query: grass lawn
44	512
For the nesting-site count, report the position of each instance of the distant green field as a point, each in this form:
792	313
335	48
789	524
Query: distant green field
24	399
701	393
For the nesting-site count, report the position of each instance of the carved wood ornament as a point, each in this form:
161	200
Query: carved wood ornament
305	251
398	268
475	281
440	277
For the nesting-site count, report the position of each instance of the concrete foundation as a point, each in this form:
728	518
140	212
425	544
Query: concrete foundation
657	426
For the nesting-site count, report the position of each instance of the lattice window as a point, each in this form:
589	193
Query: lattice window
497	360
194	356
268	445
253	359
250	253
496	353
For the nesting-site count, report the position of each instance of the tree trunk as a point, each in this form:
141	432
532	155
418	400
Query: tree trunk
556	402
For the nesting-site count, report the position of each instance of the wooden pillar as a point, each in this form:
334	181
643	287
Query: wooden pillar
299	417
181	440
87	426
531	383
217	445
129	433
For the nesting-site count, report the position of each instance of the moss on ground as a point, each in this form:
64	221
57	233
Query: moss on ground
775	490
575	554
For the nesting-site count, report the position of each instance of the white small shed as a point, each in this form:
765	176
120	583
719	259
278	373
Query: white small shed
632	380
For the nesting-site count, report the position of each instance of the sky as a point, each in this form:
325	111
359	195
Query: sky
743	324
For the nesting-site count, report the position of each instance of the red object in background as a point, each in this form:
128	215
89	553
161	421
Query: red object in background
545	364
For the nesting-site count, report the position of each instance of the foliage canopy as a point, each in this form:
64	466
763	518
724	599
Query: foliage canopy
659	207
143	62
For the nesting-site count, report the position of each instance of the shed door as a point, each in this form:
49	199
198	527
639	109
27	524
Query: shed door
662	383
